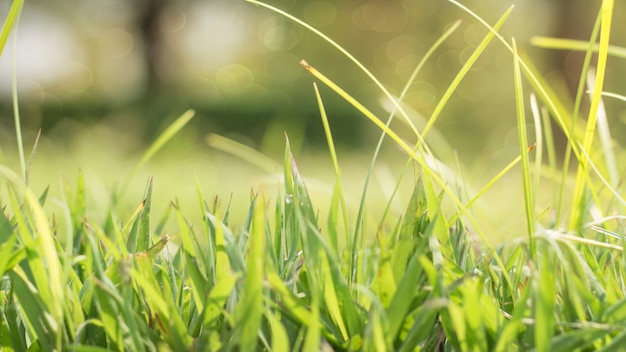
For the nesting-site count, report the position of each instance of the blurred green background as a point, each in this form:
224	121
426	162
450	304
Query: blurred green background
103	77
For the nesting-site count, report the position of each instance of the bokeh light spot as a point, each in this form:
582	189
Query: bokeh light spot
421	96
279	38
401	46
474	34
448	62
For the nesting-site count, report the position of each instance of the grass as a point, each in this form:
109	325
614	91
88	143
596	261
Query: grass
285	280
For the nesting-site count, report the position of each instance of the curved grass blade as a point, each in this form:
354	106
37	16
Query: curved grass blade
346	54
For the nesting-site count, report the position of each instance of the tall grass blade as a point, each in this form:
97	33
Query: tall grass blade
332	221
605	33
408	84
529	202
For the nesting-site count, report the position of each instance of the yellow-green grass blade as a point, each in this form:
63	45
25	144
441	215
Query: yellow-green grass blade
407	239
373	118
606	183
280	338
40	324
426	316
441	146
10	22
313	333
139	236
489	184
217	299
29	163
188	245
44	260
544	298
77	211
384	284
463	71
605	32
543	90
333	296
438	222
158	299
222	262
419	159
123	235
529	202
401	302
575	45
249	310
551	153
333	217
165	137
510	330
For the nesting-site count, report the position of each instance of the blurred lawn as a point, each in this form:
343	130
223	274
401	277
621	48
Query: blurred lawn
107	155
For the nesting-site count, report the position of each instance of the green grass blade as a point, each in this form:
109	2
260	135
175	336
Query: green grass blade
544	292
249	311
605	32
143	235
338	186
10	22
403	145
165	137
572	144
529	202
